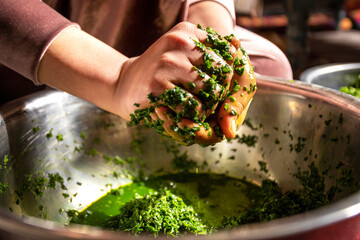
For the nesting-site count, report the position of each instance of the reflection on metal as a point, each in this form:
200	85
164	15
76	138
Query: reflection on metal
281	112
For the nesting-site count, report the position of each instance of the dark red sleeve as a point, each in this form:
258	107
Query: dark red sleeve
27	27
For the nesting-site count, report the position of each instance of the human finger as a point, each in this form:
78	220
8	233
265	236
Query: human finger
183	103
185	131
226	46
164	123
233	110
205	71
202	87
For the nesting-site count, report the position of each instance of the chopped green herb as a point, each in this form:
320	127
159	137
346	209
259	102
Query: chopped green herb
59	137
35	129
249	140
49	134
156	213
327	122
263	166
233	112
3	187
273	204
56	178
191	85
239	70
83	135
352	89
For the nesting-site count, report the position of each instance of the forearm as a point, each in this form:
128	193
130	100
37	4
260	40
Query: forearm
83	66
211	14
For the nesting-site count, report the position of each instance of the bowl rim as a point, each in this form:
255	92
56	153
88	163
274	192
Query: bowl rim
333	213
312	73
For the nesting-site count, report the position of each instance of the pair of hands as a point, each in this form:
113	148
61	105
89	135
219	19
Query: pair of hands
175	60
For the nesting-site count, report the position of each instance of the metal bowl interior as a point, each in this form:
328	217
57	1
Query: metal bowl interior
295	124
333	76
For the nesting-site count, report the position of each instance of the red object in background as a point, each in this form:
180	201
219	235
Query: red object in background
355	15
352	5
352	9
316	20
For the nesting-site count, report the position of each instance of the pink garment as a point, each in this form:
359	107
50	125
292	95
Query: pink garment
129	26
27	27
266	58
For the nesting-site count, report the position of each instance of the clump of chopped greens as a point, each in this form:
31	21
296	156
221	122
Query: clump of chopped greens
273	203
215	91
209	202
55	178
4	165
37	183
3	187
49	134
35	129
158	213
59	137
352	89
249	140
5	162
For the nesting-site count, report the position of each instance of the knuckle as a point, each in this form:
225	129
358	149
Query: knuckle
178	41
185	26
159	85
168	59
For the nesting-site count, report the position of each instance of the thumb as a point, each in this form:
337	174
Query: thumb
231	120
233	110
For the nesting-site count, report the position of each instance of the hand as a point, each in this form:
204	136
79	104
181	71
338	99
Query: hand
113	82
232	111
185	95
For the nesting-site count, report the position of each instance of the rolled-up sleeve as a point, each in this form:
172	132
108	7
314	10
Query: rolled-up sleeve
27	28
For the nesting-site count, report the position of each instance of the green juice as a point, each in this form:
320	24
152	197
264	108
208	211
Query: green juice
213	197
175	204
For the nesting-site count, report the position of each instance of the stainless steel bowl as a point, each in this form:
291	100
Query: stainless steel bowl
332	75
281	113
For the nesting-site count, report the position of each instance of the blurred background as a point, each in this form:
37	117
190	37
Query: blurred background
309	32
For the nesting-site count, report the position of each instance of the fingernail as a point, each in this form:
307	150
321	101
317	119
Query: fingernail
233	126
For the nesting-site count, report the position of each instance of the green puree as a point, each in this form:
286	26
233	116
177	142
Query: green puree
99	212
212	197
